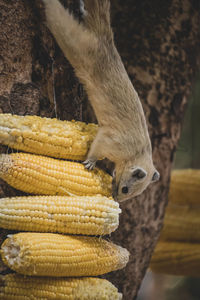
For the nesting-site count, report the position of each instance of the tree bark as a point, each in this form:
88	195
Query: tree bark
160	47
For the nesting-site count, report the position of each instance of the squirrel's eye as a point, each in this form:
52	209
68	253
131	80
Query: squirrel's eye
125	190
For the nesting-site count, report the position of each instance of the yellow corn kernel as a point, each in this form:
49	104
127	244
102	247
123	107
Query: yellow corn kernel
48	254
176	258
17	287
185	187
181	223
47	176
95	215
51	137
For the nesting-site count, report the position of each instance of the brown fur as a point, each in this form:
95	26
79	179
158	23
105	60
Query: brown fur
123	136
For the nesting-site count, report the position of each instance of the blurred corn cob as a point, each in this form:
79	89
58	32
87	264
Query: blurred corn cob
185	187
48	254
14	286
51	137
181	223
47	176
74	215
178	250
182	217
176	258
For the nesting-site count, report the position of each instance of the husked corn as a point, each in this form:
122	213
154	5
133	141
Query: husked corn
95	215
181	223
185	187
47	176
51	137
48	254
17	287
176	258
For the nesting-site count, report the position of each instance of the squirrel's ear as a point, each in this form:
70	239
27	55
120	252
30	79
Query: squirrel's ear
155	176
139	173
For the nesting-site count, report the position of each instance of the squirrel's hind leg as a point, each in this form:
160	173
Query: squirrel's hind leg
73	38
97	17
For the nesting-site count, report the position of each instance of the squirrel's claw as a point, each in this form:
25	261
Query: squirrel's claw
89	164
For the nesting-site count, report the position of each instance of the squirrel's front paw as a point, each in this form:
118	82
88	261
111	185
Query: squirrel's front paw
89	163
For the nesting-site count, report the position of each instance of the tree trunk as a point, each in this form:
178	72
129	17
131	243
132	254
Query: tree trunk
160	49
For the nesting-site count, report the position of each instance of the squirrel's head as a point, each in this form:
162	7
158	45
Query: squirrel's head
131	179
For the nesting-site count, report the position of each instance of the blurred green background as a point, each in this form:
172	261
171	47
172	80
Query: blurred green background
188	151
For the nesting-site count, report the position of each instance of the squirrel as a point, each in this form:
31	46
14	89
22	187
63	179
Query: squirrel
123	135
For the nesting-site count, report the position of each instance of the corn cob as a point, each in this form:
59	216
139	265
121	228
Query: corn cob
185	187
176	259
181	223
17	287
51	137
47	176
14	286
74	215
48	254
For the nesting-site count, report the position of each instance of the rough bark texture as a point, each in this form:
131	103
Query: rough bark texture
159	45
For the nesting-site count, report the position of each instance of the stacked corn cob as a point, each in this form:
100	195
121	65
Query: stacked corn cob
51	137
72	201
76	201
178	251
